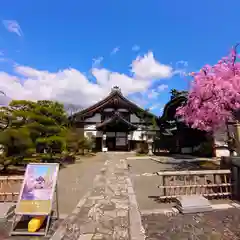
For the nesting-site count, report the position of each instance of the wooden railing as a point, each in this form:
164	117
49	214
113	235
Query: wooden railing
209	183
10	188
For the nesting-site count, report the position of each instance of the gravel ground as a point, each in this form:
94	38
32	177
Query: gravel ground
146	185
217	225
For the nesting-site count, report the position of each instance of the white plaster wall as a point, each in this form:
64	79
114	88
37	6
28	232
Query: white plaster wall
94	133
95	118
134	118
110	134
220	138
92	129
122	110
108	110
120	134
137	135
222	153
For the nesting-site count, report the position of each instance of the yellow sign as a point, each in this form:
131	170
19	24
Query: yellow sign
38	187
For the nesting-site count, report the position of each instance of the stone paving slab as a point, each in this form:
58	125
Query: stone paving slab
104	213
216	225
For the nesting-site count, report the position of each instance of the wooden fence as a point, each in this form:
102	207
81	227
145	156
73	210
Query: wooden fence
209	183
10	188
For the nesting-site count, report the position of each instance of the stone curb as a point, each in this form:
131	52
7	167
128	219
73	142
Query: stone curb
136	229
176	161
173	211
138	158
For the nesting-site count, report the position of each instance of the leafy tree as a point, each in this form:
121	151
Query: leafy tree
72	138
176	93
150	120
4	119
38	124
15	141
214	98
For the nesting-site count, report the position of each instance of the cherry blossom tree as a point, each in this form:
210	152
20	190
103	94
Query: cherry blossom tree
214	96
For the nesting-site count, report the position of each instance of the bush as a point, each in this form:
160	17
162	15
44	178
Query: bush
142	148
205	149
68	158
49	158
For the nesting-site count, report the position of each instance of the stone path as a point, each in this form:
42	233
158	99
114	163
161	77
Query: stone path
109	211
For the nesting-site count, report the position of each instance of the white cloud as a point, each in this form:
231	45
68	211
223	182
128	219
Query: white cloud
73	87
13	26
107	79
147	67
155	106
152	94
115	50
139	100
161	110
162	87
181	68
135	48
97	61
68	86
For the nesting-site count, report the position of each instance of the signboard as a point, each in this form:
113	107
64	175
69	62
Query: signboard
37	191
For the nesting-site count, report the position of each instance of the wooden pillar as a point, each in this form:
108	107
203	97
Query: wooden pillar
104	140
237	137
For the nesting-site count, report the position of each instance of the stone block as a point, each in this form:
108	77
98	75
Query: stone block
85	237
6	210
193	204
98	236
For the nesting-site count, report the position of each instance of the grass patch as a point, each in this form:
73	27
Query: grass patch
141	154
208	165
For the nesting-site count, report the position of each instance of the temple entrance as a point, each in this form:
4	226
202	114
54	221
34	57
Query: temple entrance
116	141
116	130
111	143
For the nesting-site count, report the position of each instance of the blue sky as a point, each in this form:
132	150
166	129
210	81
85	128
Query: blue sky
48	49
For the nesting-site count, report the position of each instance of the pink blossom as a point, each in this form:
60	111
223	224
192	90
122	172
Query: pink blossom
214	95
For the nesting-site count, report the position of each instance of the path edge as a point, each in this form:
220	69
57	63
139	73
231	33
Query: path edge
59	233
136	229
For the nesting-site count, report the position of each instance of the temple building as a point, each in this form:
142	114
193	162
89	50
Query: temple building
179	138
116	123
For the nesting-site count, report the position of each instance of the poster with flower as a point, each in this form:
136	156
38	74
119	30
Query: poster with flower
38	189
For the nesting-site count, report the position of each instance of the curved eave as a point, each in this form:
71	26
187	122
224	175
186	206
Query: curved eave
114	120
106	100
